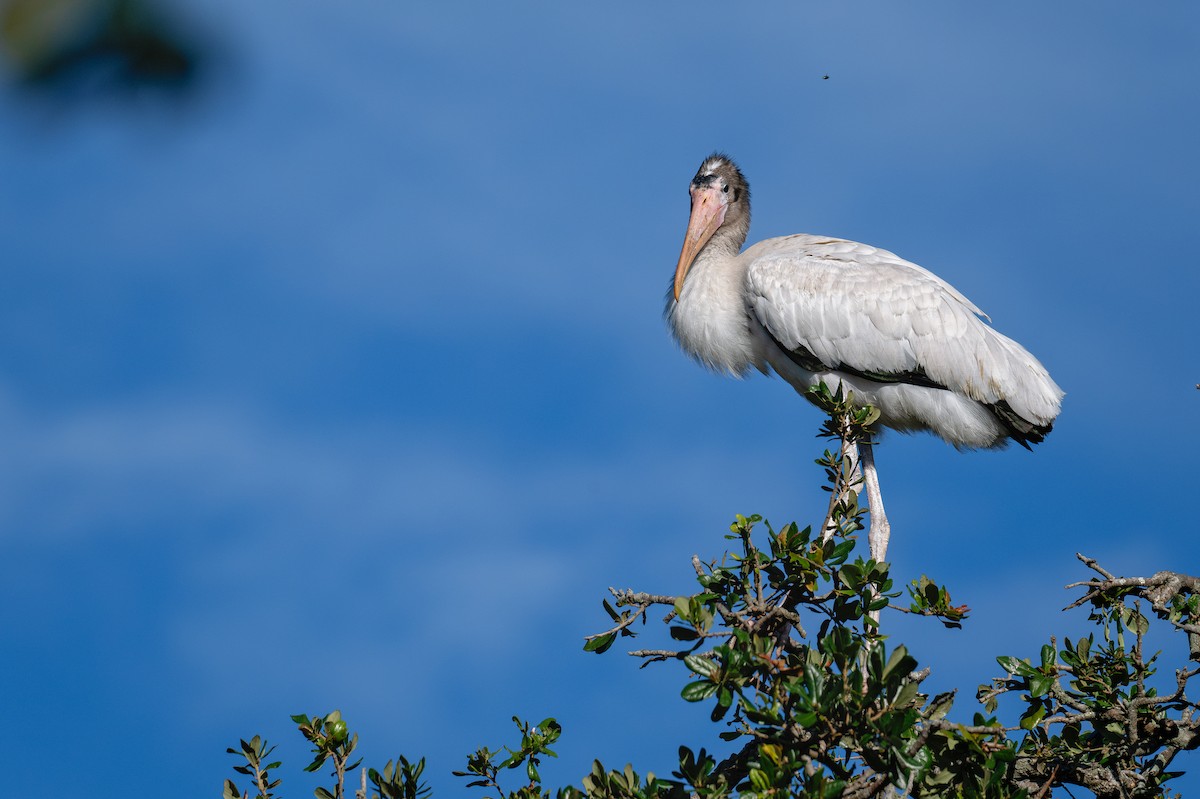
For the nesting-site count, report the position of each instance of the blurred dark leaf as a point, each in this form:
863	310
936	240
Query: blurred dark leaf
72	48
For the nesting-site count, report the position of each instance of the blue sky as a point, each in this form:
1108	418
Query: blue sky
347	386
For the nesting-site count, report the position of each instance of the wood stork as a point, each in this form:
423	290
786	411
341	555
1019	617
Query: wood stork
820	309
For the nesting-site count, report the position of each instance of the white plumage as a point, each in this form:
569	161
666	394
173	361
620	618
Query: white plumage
816	309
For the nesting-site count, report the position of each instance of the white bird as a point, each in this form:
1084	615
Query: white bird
819	309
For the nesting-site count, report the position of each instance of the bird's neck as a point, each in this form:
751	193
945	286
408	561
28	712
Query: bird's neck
717	273
727	242
710	320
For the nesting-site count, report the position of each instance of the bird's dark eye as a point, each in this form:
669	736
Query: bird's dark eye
724	189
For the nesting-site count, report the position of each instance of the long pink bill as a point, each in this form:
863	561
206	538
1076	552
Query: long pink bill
708	212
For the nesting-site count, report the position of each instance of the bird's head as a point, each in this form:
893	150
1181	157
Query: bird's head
720	199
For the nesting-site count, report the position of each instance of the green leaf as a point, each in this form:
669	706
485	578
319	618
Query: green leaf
907	693
940	706
698	691
899	656
1032	716
1009	663
1040	685
841	550
701	665
600	644
1137	622
683	633
805	718
231	791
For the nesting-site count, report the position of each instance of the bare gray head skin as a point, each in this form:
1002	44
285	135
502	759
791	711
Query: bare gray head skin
720	170
720	212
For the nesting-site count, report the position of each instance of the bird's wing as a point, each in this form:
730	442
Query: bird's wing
867	311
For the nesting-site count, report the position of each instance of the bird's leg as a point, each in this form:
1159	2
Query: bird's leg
880	530
849	450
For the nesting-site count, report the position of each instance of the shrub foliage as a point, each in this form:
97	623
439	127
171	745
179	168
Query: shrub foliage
781	641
